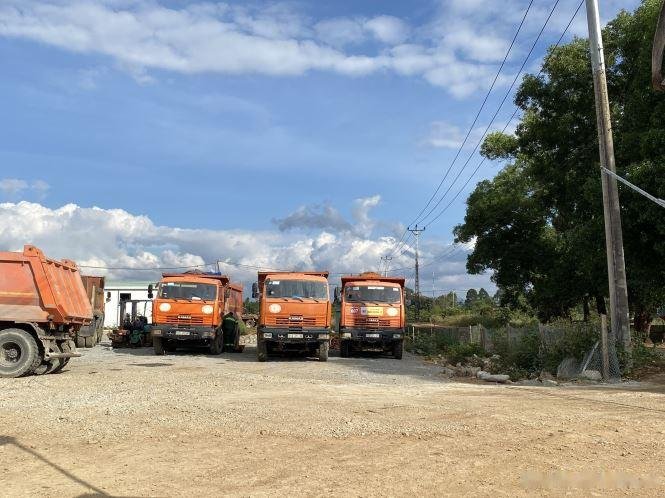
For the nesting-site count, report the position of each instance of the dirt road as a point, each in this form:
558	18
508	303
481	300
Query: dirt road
127	423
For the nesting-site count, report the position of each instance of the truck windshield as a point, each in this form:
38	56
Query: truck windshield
304	289
186	290
374	293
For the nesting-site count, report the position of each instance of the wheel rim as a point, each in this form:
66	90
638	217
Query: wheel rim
10	354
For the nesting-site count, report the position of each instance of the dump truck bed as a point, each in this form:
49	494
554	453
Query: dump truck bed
34	288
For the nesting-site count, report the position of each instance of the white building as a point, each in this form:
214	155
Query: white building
122	291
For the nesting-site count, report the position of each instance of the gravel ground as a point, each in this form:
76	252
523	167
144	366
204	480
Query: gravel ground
127	423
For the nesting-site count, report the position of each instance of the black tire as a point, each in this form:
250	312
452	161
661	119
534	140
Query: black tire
170	346
345	349
398	349
158	346
19	354
261	350
90	341
80	341
217	344
324	348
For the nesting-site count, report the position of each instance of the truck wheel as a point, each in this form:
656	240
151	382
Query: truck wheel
261	350
323	351
90	341
345	349
158	346
397	350
217	344
19	354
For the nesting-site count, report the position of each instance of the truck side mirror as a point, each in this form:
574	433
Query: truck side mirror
150	291
227	293
108	297
337	295
255	290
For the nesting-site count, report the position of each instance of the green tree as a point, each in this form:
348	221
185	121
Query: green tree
471	297
539	224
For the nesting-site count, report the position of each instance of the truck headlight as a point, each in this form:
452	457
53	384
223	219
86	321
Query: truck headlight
274	308
207	309
346	334
397	336
164	307
392	311
324	336
267	335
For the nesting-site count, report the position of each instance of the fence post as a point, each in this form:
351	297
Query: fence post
605	347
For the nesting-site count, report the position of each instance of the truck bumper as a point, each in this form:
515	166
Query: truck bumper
184	334
293	338
371	338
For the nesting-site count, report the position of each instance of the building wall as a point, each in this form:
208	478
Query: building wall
113	292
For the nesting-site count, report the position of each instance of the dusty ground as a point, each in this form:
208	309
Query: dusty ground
127	423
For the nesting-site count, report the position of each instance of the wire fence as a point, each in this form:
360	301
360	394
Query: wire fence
576	347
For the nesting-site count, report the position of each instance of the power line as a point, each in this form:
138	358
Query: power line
470	130
570	22
503	101
480	110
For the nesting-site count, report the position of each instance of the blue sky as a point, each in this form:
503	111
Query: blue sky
231	117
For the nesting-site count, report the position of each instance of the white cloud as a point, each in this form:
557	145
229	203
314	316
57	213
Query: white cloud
273	39
15	187
122	239
388	29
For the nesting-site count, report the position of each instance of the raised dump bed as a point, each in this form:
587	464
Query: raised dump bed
42	305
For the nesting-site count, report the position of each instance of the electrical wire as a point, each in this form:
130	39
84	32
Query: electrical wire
461	189
471	127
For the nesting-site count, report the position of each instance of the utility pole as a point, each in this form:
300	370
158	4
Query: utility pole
417	231
616	267
387	260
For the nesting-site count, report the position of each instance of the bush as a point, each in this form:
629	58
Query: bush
458	353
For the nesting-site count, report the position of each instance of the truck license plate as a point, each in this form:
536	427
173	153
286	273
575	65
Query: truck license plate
181	332
373	336
295	336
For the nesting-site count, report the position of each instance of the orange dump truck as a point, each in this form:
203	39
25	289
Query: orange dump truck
42	305
372	314
196	309
294	313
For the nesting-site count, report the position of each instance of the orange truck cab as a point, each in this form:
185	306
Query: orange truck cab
372	314
196	308
294	313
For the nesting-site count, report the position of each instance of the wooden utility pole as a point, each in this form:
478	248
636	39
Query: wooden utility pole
616	267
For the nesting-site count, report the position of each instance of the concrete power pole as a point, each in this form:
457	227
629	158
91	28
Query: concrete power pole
417	231
387	260
616	266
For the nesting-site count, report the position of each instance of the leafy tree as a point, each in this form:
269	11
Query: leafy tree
251	306
539	223
471	297
483	295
